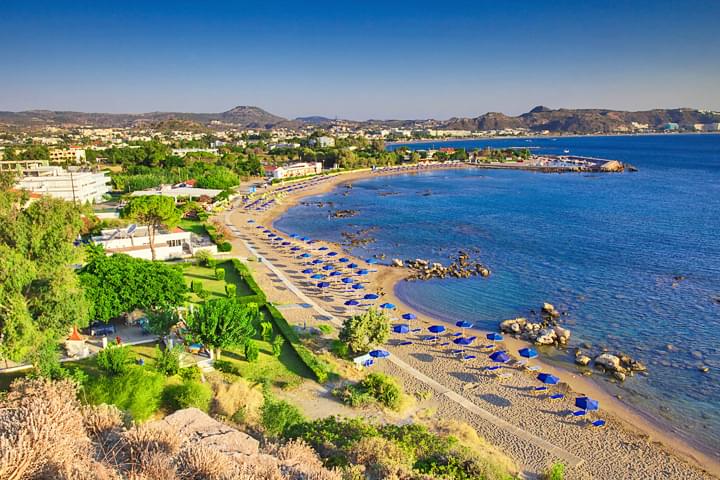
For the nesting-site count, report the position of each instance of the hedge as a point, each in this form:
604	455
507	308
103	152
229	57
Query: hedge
320	369
222	245
258	296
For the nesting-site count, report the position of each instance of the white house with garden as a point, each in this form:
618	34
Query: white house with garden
169	245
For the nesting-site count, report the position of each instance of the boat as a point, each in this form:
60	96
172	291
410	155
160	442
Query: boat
566	151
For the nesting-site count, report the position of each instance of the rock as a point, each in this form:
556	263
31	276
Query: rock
582	360
611	362
563	334
484	272
546	337
612	166
397	262
587	345
587	373
513	325
704	369
696	355
670	347
197	426
548	307
637	366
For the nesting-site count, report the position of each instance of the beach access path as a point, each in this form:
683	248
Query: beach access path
554	450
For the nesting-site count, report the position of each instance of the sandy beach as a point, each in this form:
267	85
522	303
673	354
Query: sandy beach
534	430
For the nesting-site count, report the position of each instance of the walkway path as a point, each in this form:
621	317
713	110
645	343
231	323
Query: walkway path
567	457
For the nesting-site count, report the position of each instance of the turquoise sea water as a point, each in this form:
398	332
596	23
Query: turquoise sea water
603	247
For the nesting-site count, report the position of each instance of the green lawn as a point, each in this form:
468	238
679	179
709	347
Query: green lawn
215	287
194	226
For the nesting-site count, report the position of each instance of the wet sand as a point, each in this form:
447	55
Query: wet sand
631	446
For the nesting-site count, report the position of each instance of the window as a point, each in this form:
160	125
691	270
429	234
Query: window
174	243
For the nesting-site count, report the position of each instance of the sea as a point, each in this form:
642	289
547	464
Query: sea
633	258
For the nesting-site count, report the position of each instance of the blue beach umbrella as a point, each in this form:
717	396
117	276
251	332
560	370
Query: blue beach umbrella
317	261
335	273
323	285
332	254
251	221
343	260
303	239
409	316
358	286
362	272
495	337
285	244
387	306
293	235
305	255
528	353
308	271
548	379
352	303
465	341
587	404
463	324
295	249
328	267
321	249
352	265
270	235
379	353
371	261
436	329
347	280
371	296
317	276
500	357
401	328
267	231
259	226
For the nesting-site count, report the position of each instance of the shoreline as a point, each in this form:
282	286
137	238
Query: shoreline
386	279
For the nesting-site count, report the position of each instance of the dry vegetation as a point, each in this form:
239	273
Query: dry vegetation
46	434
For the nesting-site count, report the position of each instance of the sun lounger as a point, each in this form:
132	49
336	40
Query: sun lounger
520	363
416	330
456	351
557	396
532	368
493	368
456	334
405	343
598	423
468	357
445	344
540	389
579	413
504	375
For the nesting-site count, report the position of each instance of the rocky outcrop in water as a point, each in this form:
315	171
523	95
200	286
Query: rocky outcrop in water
343	213
461	267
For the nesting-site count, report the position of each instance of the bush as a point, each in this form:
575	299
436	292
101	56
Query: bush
196	286
556	472
376	387
231	290
46	362
325	329
361	332
204	294
203	258
226	366
219	274
266	331
189	394
114	359
191	373
252	352
224	247
277	344
340	349
138	391
278	416
167	361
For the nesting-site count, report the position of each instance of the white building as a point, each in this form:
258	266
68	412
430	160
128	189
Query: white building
294	170
71	185
179	192
168	245
181	152
324	142
67	155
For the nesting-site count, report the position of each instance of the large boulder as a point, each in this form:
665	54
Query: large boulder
197	426
563	334
397	262
513	325
582	360
546	337
608	361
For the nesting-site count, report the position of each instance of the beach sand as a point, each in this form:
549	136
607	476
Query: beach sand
533	430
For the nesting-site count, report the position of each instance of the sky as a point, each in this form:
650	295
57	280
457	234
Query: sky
359	60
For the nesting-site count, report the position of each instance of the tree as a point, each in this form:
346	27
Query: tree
223	323
155	211
361	332
160	322
120	283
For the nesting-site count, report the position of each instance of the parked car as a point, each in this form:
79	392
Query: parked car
98	329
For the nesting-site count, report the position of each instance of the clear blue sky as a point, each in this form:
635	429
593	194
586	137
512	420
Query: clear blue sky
360	59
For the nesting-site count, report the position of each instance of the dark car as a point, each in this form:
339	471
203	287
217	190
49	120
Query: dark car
98	329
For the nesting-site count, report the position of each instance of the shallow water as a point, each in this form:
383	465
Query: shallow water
603	247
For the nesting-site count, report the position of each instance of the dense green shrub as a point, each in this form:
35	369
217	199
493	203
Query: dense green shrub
226	366
219	274
556	472
258	296
197	287
138	391
231	290
190	393
277	343
46	362
204	294
278	416
114	359
191	373
340	349
376	387
266	331
325	329
167	360
361	332
252	351
203	258
224	247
